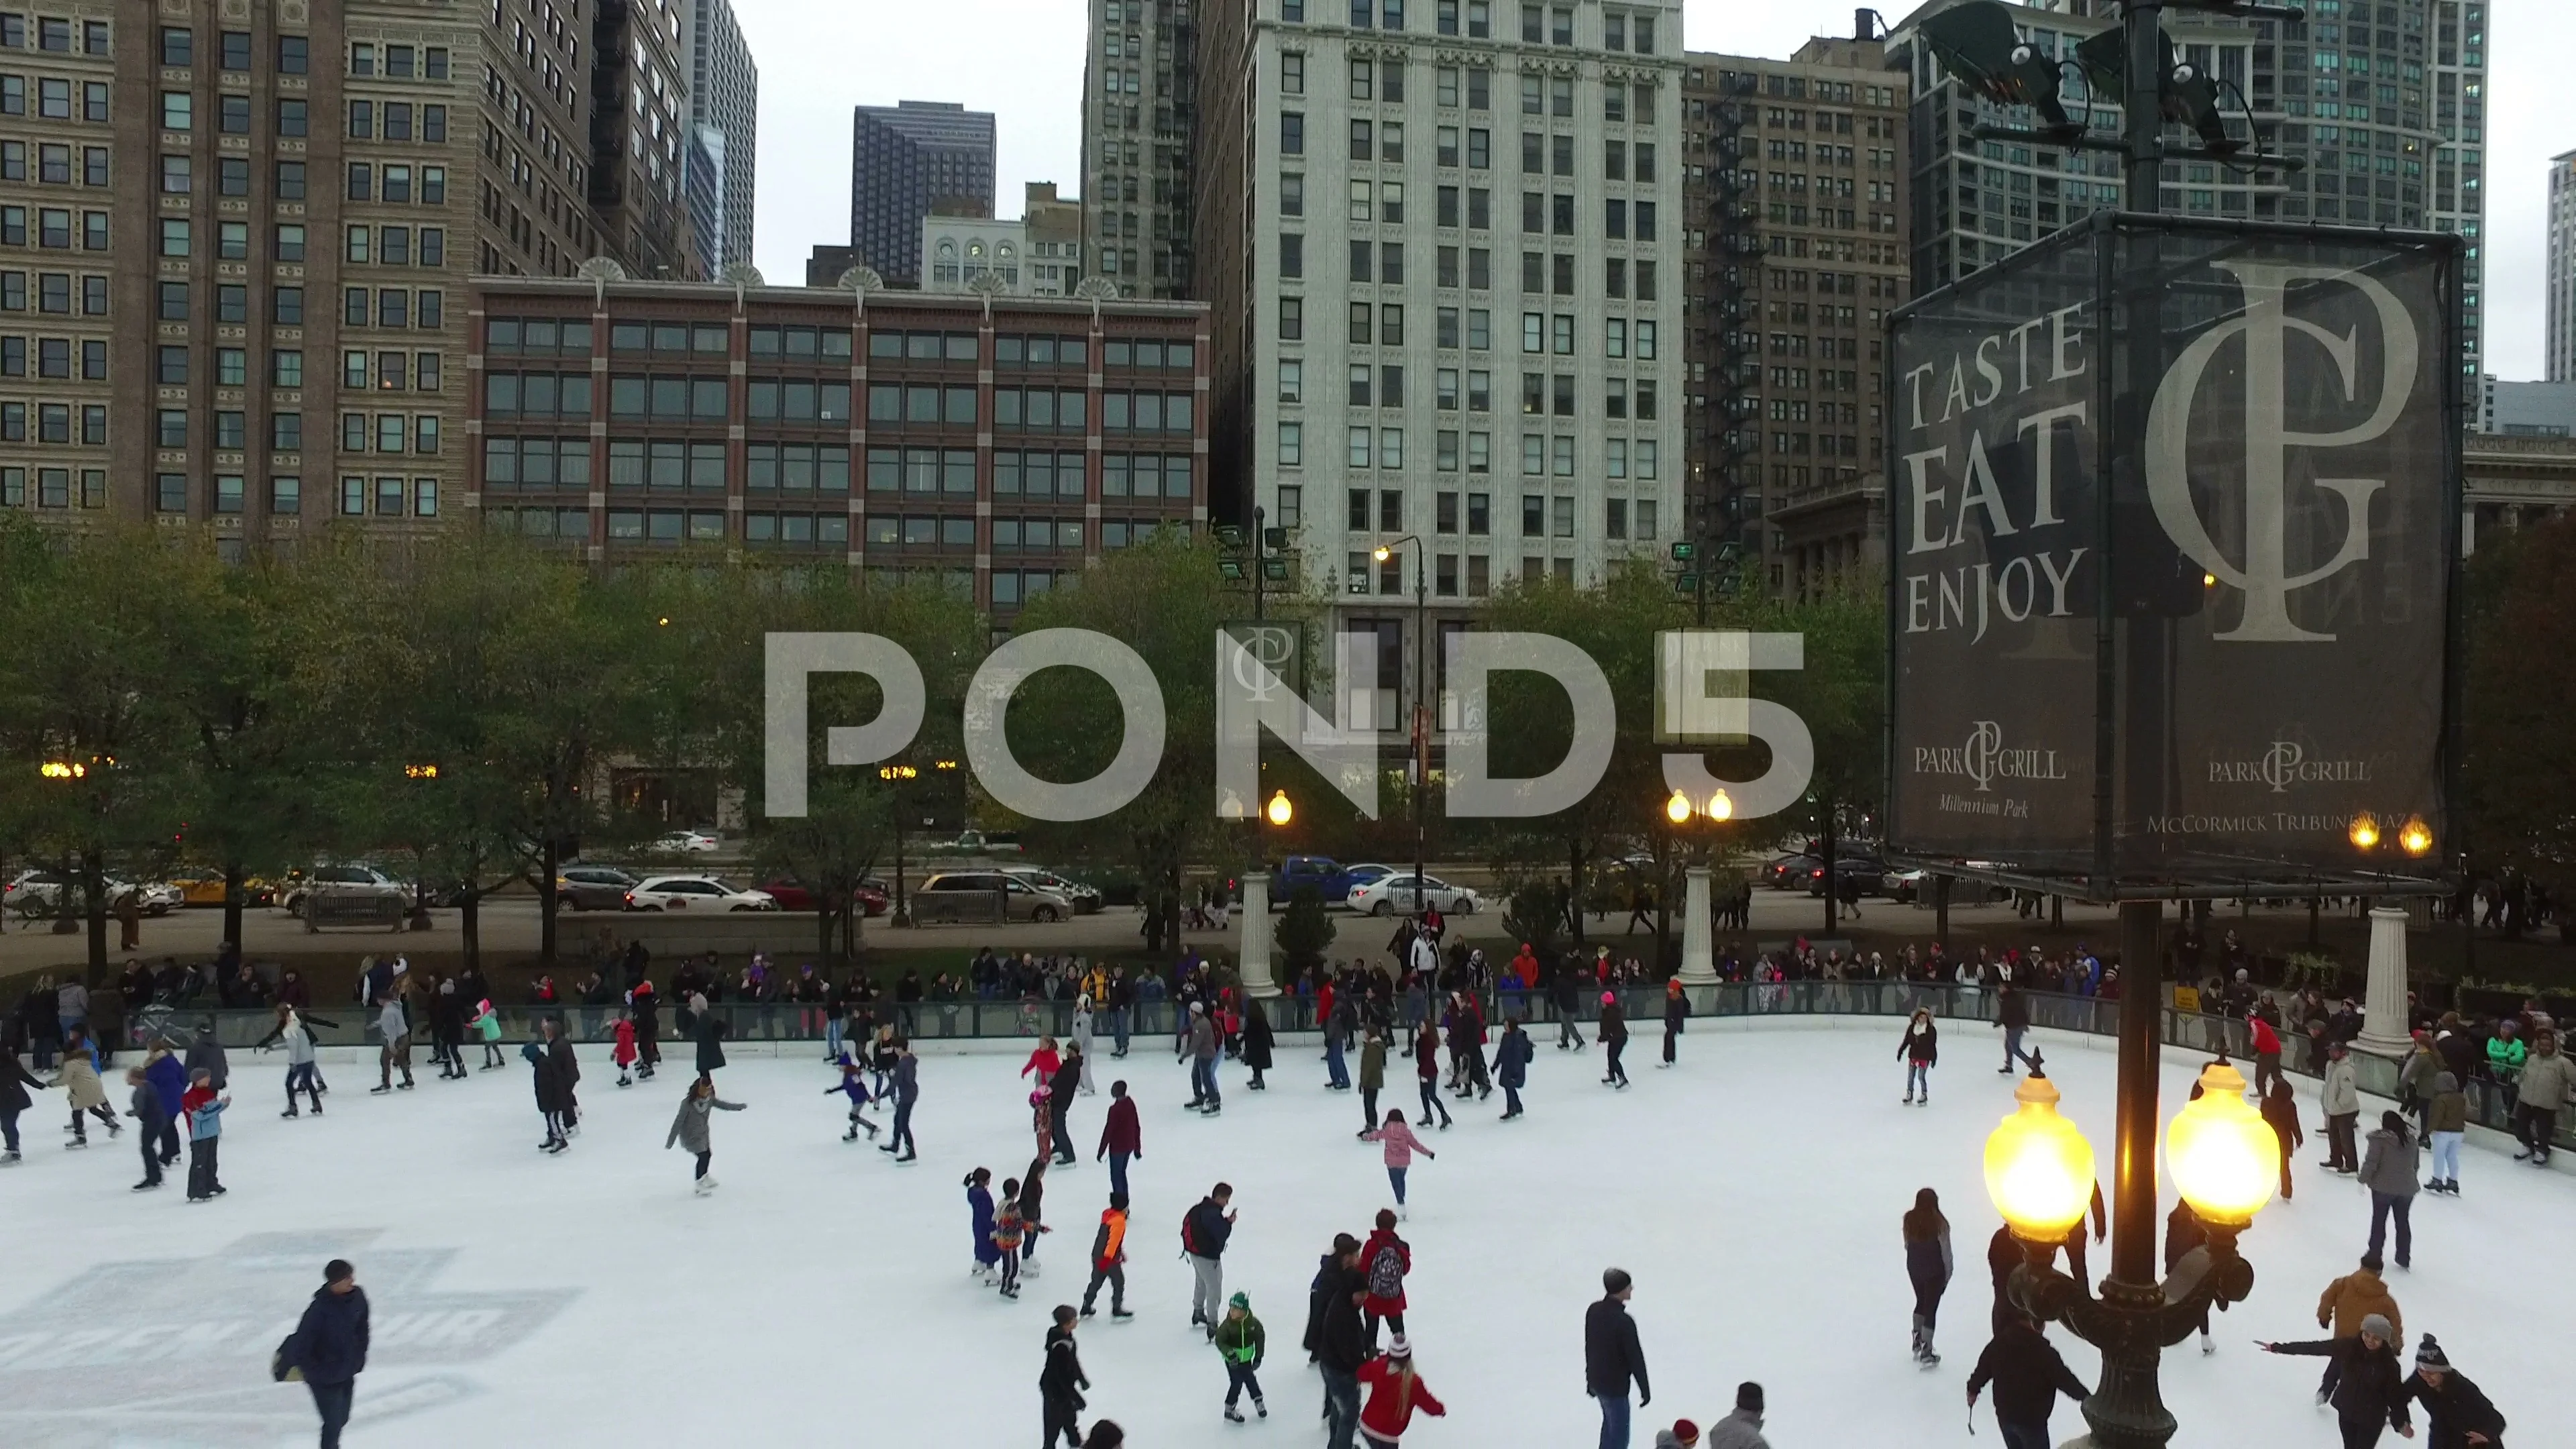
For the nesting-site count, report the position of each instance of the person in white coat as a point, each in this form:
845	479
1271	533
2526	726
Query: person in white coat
2339	1097
1082	1040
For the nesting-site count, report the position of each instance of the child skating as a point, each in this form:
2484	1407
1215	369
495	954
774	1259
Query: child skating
1920	1051
1400	1144
1008	1230
854	1085
623	1054
689	1128
979	1208
1241	1343
1395	1392
487	1029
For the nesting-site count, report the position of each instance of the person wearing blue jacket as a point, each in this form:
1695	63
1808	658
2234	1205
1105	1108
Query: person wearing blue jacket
979	1206
329	1346
169	1079
1511	1065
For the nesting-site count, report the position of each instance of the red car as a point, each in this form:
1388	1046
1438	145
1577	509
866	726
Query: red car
792	896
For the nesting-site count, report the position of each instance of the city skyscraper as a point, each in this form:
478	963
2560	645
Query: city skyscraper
1139	108
1795	180
724	97
904	159
1443	246
2561	323
2384	100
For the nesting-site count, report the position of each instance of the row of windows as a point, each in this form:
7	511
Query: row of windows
53	357
391	307
53	33
538	336
53	228
391	246
226	493
397	63
53	98
389	433
390	371
53	163
45	422
232	367
370	182
232	51
52	487
232	178
231	432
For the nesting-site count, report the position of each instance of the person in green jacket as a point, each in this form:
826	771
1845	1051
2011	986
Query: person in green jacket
2506	1053
1240	1342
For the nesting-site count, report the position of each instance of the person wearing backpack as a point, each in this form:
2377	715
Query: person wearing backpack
1204	1230
1241	1343
1385	1259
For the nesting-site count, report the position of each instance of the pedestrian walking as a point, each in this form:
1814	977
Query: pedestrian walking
2548	1083
1612	1357
1204	1231
204	1107
2339	1097
1426	1071
1395	1394
328	1348
2456	1412
1613	1031
907	1091
1241	1343
1122	1136
2028	1375
1400	1144
1109	1259
1920	1051
2446	1119
689	1129
2389	1172
1061	1382
2369	1389
1511	1065
1927	1266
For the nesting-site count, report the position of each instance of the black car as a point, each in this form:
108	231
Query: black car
1788	872
1854	875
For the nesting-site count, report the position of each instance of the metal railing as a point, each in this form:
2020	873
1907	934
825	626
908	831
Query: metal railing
1005	1018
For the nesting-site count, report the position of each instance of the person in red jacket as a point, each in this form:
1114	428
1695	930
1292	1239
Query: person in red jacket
2267	1055
1525	966
1121	1137
1384	1260
1395	1391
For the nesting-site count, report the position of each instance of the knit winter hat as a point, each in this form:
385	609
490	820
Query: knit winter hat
2429	1355
1238	1301
1397	1348
1686	1433
2376	1325
1608	997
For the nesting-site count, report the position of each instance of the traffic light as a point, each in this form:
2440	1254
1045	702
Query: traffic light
1684	552
1977	43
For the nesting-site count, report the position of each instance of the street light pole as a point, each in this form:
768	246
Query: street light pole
1259	551
1420	743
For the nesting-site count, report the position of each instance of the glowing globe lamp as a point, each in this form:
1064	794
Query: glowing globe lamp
2224	1157
1720	807
2039	1168
1678	808
1280	811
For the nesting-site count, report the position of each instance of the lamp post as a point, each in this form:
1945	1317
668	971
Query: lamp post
2039	1170
1421	765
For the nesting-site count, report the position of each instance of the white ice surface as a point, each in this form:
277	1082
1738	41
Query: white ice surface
823	1292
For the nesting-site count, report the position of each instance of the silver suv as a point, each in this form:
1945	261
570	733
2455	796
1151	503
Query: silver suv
986	895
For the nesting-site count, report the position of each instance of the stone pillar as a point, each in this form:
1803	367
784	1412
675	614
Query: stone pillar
1699	951
2383	1014
1255	965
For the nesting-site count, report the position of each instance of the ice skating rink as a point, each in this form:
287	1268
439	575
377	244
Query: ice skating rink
823	1292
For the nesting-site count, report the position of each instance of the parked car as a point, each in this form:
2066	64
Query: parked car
1390	894
1084	899
1331	879
793	895
159	897
1788	872
685	842
977	895
696	893
1853	875
593	887
339	879
201	887
41	890
1907	886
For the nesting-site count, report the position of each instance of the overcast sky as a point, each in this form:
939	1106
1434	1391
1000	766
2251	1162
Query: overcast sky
1022	60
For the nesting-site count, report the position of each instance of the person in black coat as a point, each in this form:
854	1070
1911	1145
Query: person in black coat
1612	1356
711	1030
1066	1081
1061	1382
1676	1011
14	1082
1341	1340
2003	1254
2454	1408
329	1346
2028	1376
2370	1389
1511	1065
1319	1292
567	1074
1256	1041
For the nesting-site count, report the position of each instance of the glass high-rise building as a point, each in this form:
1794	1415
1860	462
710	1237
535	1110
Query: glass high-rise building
905	160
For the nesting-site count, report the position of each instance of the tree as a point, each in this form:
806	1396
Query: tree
2519	762
1305	930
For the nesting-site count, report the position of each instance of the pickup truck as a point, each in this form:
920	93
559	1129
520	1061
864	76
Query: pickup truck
1331	879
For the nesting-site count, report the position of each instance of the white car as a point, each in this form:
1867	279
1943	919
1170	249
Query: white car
1084	899
34	890
686	842
696	893
1392	894
341	880
159	897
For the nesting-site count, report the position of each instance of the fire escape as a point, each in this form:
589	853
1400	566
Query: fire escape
1732	509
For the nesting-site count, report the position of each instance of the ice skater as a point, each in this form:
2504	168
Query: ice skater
297	1039
15	1079
979	1210
1400	1144
1122	1136
1204	1233
1676	1011
1082	1041
1613	1032
1920	1051
144	1106
1927	1265
1242	1344
622	1054
1109	1259
1511	1065
1033	1212
2028	1376
907	1091
2369	1385
1061	1089
1395	1394
854	1085
87	1095
204	1107
549	1090
1385	1259
1009	1228
2455	1410
689	1128
1061	1382
645	1009
1426	1069
487	1030
1372	1072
